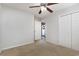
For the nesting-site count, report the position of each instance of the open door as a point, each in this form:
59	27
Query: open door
37	29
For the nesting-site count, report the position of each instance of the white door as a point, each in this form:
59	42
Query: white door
75	31
37	30
65	31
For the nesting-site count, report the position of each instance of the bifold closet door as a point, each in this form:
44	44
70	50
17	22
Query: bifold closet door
75	31
65	31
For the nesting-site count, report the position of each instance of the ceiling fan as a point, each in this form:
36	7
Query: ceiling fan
44	6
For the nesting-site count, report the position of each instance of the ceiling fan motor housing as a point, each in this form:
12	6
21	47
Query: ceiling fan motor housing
43	4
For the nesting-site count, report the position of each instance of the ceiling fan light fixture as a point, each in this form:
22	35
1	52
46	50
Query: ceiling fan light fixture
43	8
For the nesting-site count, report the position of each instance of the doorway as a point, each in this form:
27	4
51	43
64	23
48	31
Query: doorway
43	30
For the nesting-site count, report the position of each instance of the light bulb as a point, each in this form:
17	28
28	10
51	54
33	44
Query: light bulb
43	8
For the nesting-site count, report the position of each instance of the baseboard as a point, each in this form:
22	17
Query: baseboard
60	45
18	45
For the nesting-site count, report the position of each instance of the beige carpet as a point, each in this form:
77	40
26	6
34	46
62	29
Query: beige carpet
40	48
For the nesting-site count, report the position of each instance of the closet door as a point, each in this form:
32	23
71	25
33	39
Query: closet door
65	31
75	31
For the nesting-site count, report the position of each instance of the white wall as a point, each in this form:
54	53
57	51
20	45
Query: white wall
0	25
37	29
52	31
53	20
17	28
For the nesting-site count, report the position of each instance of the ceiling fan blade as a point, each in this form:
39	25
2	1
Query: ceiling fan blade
48	4
33	6
49	10
40	11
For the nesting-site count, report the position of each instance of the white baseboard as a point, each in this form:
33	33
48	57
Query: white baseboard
18	45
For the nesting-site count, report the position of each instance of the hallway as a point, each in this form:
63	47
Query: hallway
40	48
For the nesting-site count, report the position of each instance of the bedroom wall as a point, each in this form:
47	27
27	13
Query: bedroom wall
0	26
17	28
52	29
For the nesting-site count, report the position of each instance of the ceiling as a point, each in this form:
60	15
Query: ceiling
25	7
